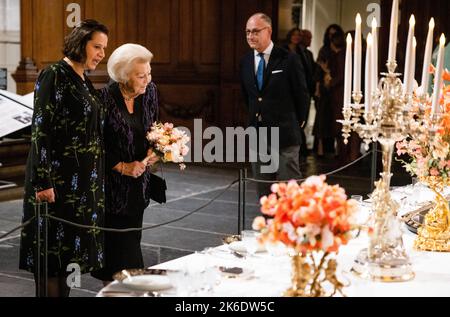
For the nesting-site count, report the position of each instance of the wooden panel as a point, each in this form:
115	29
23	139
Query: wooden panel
26	28
48	28
155	26
209	30
127	22
185	31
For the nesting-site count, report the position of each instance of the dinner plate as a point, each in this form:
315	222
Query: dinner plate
148	282
120	276
239	246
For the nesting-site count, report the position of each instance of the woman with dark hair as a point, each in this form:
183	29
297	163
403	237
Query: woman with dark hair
65	163
324	138
293	39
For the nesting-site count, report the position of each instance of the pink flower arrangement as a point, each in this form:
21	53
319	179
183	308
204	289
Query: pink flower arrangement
313	216
430	154
169	143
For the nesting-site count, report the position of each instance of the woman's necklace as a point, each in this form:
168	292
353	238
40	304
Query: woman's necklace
124	95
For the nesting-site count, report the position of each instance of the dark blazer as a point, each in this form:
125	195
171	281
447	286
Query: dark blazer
283	98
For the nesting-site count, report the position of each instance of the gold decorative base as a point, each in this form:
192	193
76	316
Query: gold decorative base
388	269
309	276
436	244
434	235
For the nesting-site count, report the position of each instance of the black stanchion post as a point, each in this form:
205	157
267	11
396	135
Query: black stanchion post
373	176
45	260
37	268
239	201
244	193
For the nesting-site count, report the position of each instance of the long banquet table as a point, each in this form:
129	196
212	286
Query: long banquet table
269	275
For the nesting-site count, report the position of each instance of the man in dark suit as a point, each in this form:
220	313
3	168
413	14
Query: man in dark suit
276	95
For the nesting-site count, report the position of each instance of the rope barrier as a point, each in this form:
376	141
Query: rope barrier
303	179
16	229
134	229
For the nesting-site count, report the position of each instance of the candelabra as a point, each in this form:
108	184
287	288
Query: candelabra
387	120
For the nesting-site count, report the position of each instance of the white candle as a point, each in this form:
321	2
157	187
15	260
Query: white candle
427	58
375	53
358	55
409	46
438	77
368	75
410	87
393	33
348	73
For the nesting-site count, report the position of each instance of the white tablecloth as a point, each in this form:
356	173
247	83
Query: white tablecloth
270	275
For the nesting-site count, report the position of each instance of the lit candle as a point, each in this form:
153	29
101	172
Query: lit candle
410	87
427	58
348	73
409	46
438	77
368	74
375	53
358	54
393	33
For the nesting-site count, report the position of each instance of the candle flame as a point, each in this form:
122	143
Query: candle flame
374	23
442	40
349	39
412	20
370	39
358	19
432	25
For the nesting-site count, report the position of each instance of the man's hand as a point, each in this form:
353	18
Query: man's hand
47	195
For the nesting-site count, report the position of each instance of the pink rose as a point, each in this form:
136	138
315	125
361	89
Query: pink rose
434	172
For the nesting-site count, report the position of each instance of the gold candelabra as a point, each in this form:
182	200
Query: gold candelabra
434	235
387	121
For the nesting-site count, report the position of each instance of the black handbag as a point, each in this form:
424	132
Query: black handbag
158	189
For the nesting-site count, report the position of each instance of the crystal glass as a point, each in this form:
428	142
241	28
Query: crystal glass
250	241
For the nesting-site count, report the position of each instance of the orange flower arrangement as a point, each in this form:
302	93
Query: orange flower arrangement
313	216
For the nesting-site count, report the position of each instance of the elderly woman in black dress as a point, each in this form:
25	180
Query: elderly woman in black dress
65	163
132	107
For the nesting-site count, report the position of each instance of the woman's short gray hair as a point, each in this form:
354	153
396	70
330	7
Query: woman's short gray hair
122	60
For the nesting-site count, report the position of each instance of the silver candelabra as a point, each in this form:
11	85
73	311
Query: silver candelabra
388	120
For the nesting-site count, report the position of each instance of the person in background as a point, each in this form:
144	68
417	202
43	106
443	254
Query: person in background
323	125
310	69
65	164
276	95
293	45
131	102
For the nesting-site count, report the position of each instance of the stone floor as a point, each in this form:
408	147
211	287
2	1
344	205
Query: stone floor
187	191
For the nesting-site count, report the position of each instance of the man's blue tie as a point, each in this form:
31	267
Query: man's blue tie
260	71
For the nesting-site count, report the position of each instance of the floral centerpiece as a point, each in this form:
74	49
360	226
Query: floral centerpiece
313	219
169	143
428	151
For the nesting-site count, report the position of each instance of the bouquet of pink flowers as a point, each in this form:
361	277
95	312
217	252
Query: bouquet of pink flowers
313	216
169	143
430	153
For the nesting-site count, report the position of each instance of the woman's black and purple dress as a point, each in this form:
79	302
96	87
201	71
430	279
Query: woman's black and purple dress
126	197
